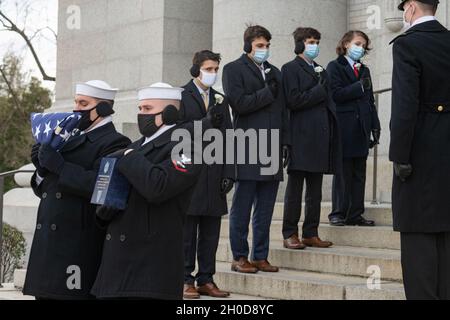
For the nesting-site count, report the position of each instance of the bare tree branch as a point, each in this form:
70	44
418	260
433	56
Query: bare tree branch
14	28
10	88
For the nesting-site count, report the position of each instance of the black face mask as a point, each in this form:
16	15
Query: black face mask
103	108
85	120
147	124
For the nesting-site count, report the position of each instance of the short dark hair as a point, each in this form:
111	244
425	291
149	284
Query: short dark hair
341	50
205	55
255	31
426	7
111	102
302	34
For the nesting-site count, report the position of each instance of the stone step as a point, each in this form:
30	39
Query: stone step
9	292
232	297
349	261
381	237
300	285
381	214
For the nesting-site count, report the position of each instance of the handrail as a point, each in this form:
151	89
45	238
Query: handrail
375	201
2	189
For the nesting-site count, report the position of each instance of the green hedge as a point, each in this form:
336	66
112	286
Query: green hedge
13	251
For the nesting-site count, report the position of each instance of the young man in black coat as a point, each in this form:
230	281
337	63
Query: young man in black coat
352	91
314	138
253	87
420	150
143	251
209	200
67	244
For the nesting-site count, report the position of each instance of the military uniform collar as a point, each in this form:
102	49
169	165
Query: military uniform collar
428	26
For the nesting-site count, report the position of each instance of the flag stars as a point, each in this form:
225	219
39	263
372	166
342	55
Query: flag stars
48	129
37	131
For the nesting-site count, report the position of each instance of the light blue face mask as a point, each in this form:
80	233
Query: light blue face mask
261	55
356	53
312	51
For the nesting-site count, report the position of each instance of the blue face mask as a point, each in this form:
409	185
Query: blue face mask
356	53
261	55
311	51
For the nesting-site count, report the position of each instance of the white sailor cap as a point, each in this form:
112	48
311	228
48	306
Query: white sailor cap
160	91
96	89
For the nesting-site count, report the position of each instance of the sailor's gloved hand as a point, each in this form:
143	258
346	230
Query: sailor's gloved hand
42	172
50	159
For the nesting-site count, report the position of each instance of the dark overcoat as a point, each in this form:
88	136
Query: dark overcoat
315	144
67	241
143	251
420	128
207	199
355	107
255	108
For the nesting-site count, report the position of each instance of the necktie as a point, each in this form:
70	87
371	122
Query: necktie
205	99
355	70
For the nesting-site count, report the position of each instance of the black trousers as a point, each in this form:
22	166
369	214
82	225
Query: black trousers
293	204
201	239
349	189
426	265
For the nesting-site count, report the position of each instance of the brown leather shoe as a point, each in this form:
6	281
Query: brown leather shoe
190	292
293	243
317	243
264	266
211	289
243	266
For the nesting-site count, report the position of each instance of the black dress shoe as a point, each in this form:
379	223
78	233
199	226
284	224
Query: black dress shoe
337	222
361	222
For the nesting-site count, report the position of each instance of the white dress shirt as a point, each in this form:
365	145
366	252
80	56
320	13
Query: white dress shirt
423	19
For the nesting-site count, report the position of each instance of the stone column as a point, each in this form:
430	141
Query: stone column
281	17
129	44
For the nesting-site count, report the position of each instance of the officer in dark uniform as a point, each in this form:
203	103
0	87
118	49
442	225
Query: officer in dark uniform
420	150
209	200
67	245
143	251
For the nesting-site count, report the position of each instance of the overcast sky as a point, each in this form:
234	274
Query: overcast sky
32	15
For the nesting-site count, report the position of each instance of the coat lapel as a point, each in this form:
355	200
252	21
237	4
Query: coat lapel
252	66
193	90
92	136
307	67
73	143
348	69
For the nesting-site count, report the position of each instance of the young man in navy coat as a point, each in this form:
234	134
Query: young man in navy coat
314	136
253	87
209	199
351	88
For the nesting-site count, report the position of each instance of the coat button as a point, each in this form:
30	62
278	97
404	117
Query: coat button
123	238
44	195
38	226
108	237
440	108
53	227
58	195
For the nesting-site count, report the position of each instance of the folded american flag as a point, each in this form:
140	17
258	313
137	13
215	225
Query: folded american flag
54	128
